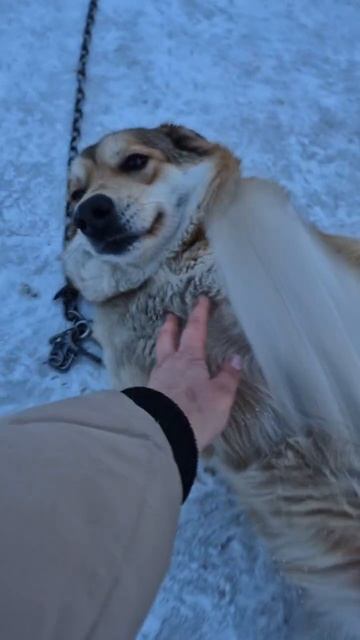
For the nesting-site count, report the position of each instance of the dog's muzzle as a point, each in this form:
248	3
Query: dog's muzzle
97	219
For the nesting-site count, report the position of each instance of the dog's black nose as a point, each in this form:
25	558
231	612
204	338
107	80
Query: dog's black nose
96	216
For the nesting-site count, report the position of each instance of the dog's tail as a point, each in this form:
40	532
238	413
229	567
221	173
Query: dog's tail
297	301
299	304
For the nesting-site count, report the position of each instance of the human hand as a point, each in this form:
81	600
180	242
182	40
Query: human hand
181	373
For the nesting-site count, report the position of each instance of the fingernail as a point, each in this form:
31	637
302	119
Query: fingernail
236	362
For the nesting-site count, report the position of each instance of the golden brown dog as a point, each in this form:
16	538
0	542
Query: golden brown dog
139	250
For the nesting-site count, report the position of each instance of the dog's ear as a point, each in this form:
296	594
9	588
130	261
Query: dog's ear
187	140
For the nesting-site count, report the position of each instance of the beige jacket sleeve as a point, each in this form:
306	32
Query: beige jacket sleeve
89	499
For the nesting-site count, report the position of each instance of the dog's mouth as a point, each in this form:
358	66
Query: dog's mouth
117	244
123	242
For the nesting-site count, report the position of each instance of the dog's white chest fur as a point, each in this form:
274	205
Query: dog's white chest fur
127	325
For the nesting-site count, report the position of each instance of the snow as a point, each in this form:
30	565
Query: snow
279	83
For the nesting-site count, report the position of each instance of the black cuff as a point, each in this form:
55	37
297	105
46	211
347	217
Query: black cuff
176	428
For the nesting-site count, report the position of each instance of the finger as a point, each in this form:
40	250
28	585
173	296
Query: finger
194	336
168	338
229	376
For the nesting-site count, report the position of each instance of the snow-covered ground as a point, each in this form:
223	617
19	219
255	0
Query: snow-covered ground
276	80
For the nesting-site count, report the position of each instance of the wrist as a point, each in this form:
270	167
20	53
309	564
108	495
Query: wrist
176	428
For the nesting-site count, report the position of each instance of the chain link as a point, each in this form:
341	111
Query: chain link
80	95
81	80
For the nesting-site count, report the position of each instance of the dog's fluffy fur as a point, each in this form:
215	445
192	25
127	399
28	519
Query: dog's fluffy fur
304	497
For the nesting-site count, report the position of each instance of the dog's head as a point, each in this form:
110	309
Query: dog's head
136	193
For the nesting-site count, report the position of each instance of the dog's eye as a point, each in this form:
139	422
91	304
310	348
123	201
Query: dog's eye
134	162
77	195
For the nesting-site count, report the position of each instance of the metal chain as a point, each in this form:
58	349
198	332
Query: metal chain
67	345
78	113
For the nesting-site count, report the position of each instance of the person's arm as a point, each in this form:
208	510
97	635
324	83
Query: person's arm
90	493
89	499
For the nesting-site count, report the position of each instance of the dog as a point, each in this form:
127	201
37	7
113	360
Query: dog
138	250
